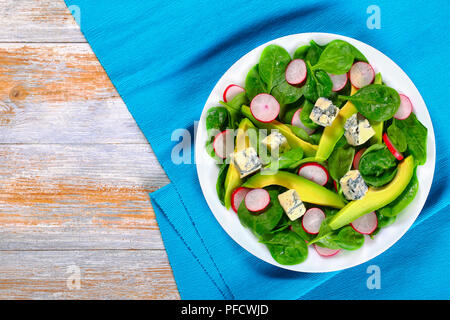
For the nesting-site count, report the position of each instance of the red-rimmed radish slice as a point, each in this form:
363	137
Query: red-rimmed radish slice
257	200
405	108
296	72
237	196
314	172
325	252
312	219
232	91
335	185
366	224
298	123
398	155
361	74
339	81
264	107
223	143
357	158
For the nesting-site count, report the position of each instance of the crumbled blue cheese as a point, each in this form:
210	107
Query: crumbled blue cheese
275	141
292	204
246	161
324	112
353	185
358	130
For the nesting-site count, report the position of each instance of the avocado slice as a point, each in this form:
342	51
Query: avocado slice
375	198
333	133
293	140
308	191
233	177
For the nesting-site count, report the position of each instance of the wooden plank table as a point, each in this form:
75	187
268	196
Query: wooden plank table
75	170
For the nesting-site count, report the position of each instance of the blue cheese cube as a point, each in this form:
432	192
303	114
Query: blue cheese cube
353	185
358	130
275	141
324	112
292	204
246	161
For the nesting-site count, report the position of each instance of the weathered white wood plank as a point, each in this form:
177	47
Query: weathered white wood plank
59	93
78	196
116	274
37	21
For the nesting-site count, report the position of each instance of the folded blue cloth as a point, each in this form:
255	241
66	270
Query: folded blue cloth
164	58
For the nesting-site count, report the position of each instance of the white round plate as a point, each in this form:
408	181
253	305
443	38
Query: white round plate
207	169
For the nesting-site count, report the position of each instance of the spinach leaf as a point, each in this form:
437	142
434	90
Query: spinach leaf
356	53
344	238
377	165
318	84
376	102
416	136
384	221
287	160
220	184
217	118
262	223
299	132
397	137
254	85
234	108
337	58
316	136
314	52
286	94
307	107
348	239
296	226
301	52
403	200
286	247
325	236
272	65
340	162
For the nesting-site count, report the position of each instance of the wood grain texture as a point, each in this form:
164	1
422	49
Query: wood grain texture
104	274
37	21
75	169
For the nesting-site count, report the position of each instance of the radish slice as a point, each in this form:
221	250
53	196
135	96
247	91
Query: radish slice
391	148
325	252
296	72
298	123
366	224
357	158
339	81
264	107
335	186
223	143
257	200
232	91
312	219
405	108
314	172
237	196
361	74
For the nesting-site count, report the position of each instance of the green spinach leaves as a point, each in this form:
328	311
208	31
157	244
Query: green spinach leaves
272	65
286	247
376	102
377	165
416	137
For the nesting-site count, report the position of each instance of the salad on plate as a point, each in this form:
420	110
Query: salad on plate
315	150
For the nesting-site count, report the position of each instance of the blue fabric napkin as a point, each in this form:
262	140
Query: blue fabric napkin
164	57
